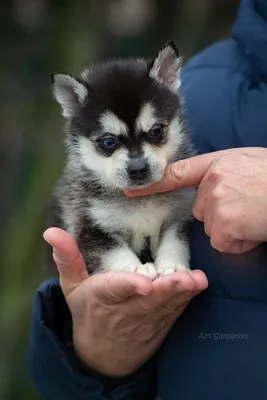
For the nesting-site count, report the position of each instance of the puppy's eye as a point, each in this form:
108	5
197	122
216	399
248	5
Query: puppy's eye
109	143
156	132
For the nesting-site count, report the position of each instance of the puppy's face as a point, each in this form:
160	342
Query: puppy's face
123	118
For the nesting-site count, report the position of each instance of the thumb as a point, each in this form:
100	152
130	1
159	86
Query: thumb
70	263
182	173
188	172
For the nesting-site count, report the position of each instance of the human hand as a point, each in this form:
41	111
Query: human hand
119	318
231	197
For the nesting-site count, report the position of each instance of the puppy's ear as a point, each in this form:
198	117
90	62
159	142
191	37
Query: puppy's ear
166	67
69	92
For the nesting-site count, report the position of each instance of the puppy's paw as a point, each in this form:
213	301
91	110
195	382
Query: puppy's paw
147	269
170	269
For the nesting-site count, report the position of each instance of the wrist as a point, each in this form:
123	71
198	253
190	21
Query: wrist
80	367
101	357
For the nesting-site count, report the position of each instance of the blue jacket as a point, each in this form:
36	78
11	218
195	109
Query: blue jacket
218	348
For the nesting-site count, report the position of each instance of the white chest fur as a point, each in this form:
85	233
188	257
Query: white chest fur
135	220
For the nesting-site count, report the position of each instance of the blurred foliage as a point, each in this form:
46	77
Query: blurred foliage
39	37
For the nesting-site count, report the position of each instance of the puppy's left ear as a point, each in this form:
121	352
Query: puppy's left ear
166	67
69	92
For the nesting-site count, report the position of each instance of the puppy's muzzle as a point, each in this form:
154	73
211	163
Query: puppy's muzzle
138	169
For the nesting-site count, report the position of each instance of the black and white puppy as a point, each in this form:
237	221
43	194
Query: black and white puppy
124	124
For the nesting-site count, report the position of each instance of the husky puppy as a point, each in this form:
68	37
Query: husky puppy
124	124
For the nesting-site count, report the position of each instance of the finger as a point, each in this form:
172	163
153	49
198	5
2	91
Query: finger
227	244
188	172
220	240
242	246
171	286
114	287
183	173
208	223
183	298
203	209
201	280
69	261
203	192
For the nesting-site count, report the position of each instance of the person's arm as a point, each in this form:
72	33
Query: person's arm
56	370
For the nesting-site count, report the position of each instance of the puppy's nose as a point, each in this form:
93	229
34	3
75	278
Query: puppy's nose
138	168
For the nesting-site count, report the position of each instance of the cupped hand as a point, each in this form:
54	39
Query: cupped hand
119	318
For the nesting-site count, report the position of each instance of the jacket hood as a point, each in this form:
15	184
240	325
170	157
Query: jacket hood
250	31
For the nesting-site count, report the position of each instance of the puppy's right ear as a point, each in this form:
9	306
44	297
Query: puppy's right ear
166	66
69	92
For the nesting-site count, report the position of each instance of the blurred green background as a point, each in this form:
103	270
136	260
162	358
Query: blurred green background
39	37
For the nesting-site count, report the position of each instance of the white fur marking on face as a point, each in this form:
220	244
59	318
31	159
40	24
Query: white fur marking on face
146	118
89	156
175	138
105	167
110	123
161	156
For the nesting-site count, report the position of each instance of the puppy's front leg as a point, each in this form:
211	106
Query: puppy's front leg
122	258
173	252
104	252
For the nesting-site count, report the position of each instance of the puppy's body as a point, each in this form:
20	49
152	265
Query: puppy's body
124	125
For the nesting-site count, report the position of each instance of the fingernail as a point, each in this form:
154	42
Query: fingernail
45	238
55	251
142	292
130	193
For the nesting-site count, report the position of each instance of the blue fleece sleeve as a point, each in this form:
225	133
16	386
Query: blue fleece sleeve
250	111
224	99
54	368
207	93
215	84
